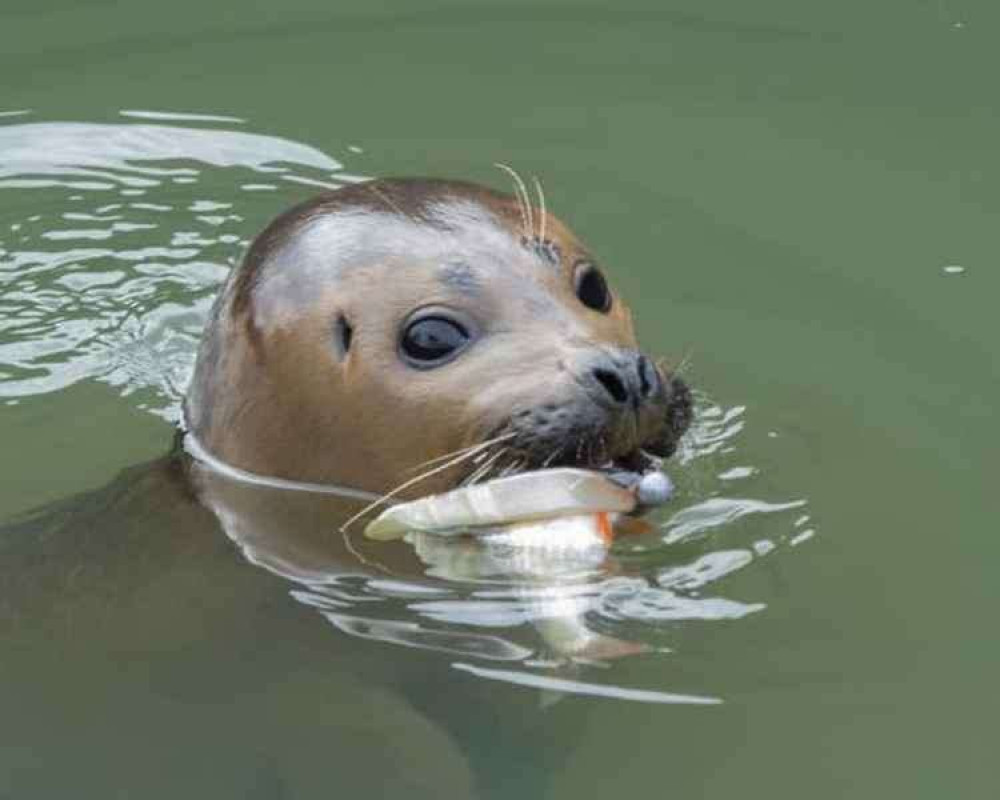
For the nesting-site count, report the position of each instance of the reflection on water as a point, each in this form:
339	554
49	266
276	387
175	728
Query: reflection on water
121	237
123	234
563	685
552	611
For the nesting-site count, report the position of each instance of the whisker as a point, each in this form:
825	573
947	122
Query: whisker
541	207
402	487
551	457
473	448
685	361
385	199
512	468
527	218
664	364
474	477
483	470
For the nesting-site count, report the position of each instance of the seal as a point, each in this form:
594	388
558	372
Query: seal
412	328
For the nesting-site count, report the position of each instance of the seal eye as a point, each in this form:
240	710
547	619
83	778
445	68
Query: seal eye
591	288
431	341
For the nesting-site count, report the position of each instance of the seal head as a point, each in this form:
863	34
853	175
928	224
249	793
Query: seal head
405	324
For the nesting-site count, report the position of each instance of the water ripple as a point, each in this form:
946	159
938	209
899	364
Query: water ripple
115	237
113	242
475	601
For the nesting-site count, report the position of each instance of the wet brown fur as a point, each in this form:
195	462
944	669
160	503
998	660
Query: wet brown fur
406	196
273	395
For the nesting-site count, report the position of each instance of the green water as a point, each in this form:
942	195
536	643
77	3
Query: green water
800	198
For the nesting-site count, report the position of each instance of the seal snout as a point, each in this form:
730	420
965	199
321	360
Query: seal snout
634	406
678	417
612	402
623	380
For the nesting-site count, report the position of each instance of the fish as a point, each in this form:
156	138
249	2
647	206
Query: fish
594	499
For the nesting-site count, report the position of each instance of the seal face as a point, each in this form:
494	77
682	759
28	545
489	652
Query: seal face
389	324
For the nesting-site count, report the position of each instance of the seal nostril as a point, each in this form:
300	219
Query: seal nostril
612	384
649	381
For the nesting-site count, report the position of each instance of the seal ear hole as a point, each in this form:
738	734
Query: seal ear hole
344	334
592	288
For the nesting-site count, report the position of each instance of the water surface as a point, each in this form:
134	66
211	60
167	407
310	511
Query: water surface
799	201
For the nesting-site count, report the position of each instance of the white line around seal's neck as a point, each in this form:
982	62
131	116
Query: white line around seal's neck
198	451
